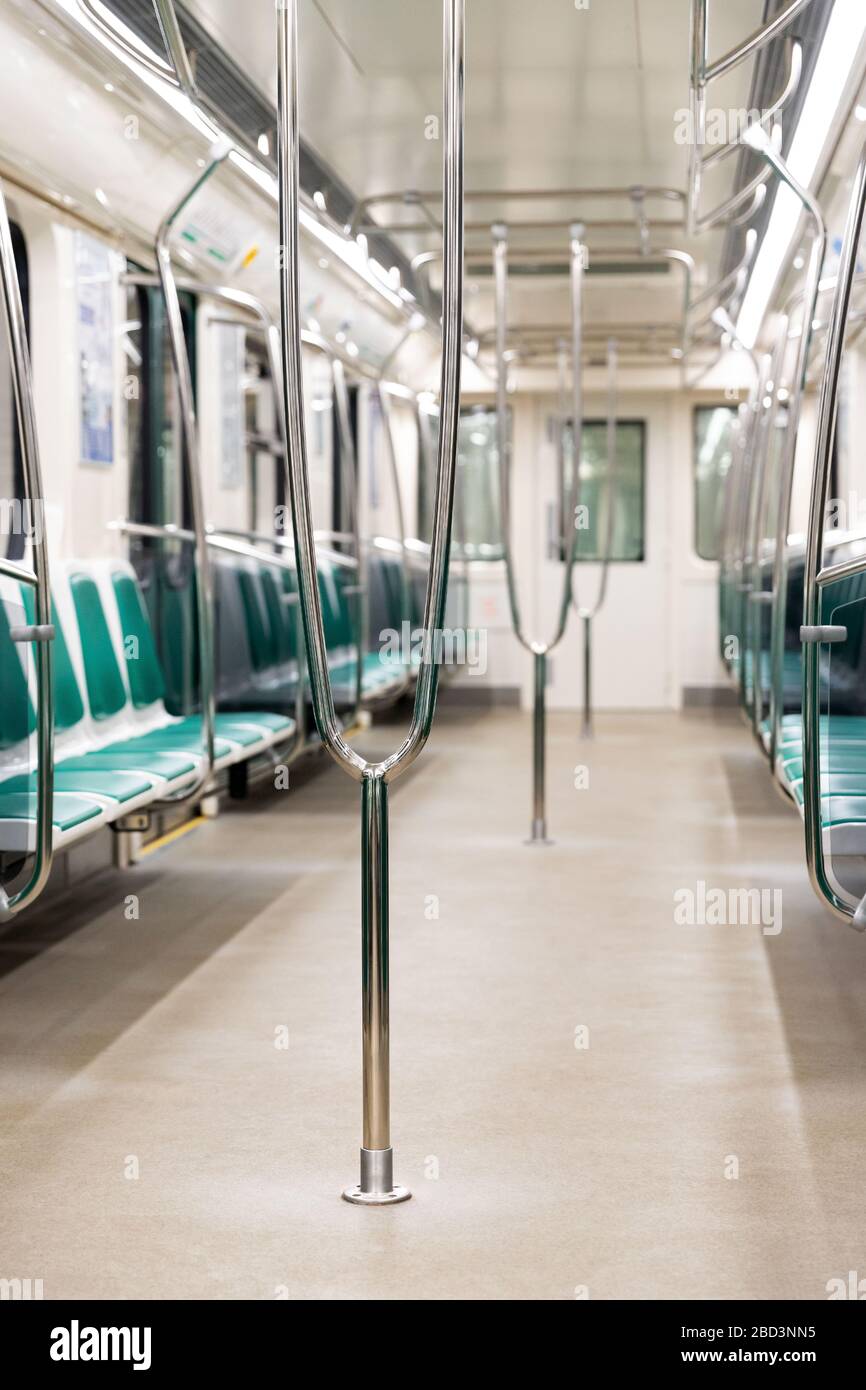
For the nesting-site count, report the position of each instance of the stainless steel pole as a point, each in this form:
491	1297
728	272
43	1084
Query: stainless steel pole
376	1186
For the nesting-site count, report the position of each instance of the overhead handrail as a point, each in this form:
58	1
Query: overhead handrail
587	613
734	278
815	577
361	223
758	139
42	631
701	72
539	650
376	1184
152	63
173	39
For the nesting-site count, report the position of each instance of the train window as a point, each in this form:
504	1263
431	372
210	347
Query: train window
713	445
14	522
158	491
266	485
627	539
478	525
477	528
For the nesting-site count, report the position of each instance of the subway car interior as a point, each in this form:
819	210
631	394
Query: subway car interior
432	650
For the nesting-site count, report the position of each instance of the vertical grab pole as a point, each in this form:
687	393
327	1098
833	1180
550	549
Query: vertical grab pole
376	1187
540	650
42	632
814	548
539	821
586	622
377	1161
189	426
587	614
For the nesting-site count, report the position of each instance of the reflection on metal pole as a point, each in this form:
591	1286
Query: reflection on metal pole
539	650
587	614
376	1186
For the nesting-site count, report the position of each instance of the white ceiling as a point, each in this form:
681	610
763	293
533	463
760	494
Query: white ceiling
556	96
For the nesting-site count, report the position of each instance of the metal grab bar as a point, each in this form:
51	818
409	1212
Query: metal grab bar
851	911
539	650
701	73
587	614
189	427
376	1184
810	293
39	579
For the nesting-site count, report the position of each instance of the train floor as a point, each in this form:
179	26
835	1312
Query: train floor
591	1097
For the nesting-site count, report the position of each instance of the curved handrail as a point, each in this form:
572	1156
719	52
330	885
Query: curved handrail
323	707
590	611
814	542
701	73
500	251
42	632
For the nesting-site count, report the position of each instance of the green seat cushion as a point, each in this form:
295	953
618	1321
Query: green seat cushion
265	720
69	811
833	784
68	704
143	670
105	688
118	786
17	719
842	810
166	740
144	761
844	759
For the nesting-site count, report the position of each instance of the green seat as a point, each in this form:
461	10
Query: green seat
157	763
98	773
69	811
147	686
114	786
845	759
833	784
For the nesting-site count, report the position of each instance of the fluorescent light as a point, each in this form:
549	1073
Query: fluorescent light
352	254
839	49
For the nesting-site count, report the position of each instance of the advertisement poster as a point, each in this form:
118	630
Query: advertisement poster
231	360
94	295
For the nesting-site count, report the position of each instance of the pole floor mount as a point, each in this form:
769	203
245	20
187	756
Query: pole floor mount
377	1187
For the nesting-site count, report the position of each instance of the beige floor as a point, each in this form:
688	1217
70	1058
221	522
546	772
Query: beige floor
558	1169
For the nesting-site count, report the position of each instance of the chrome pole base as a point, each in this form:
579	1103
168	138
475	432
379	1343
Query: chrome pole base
376	1188
538	835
